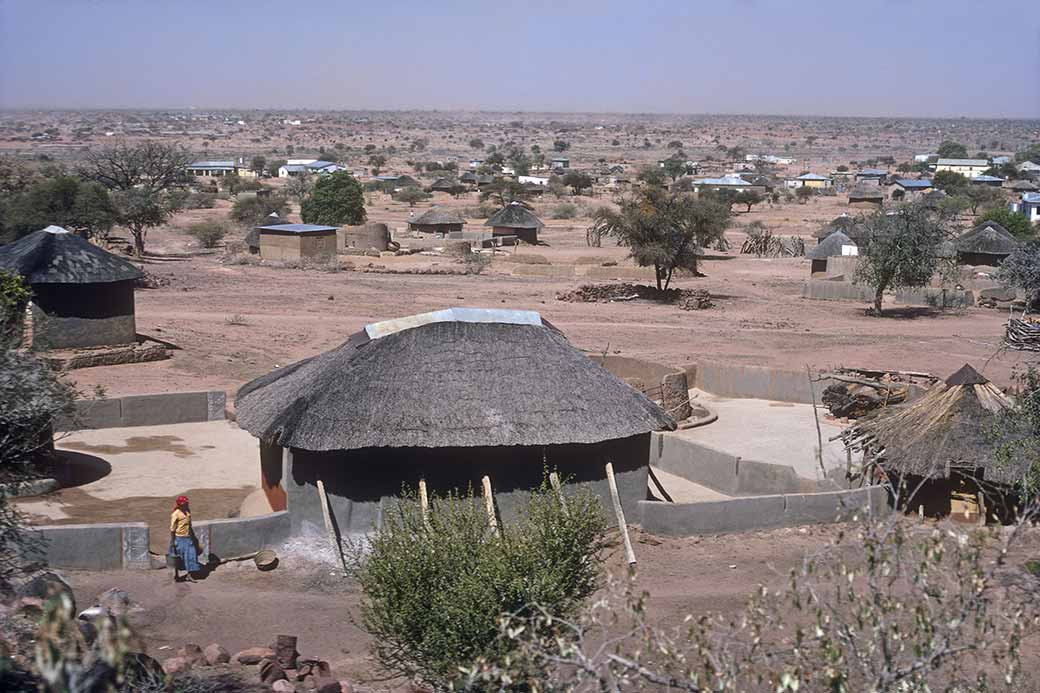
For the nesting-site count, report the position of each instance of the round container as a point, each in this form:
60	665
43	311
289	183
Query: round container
266	560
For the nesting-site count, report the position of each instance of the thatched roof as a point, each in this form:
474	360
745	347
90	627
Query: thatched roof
55	256
830	246
949	429
865	190
988	238
453	378
514	216
436	216
442	184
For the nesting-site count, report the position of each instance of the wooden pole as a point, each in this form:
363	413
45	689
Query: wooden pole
328	524
554	481
630	555
424	503
489	504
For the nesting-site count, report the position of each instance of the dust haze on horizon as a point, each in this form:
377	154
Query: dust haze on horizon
887	59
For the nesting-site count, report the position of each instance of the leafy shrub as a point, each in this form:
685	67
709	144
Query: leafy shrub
565	210
253	211
434	591
476	263
1021	270
209	234
482	211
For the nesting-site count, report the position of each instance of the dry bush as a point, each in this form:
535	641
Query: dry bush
526	259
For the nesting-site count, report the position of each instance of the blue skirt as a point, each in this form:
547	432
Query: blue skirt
185	548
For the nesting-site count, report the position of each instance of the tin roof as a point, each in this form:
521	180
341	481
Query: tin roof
297	228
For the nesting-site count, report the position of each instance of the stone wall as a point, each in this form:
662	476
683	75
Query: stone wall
148	410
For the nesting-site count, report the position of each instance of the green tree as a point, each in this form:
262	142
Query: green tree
1015	222
952	150
209	234
950	181
653	176
674	167
411	195
299	187
902	250
1021	270
504	193
519	161
258	164
675	144
232	183
1030	153
377	161
83	207
982	196
141	178
803	193
561	145
664	230
749	198
337	199
254	211
577	181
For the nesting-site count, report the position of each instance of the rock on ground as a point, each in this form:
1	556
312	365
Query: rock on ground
252	655
176	665
215	654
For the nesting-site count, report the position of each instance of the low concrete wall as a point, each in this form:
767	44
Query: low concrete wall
822	290
727	473
148	410
935	297
756	382
94	547
761	512
238	537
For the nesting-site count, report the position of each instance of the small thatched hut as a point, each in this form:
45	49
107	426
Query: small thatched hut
940	447
987	244
442	185
83	295
448	397
836	244
515	220
866	195
437	220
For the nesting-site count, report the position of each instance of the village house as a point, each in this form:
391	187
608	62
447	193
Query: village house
219	169
910	188
297	167
296	241
836	244
442	185
437	220
924	158
871	174
534	180
809	180
1029	169
82	295
1029	205
769	159
992	181
729	182
987	244
515	220
475	392
866	195
1000	160
559	163
969	168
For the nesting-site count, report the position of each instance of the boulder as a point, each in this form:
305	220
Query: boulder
271	671
176	665
253	655
215	654
193	653
283	686
46	585
334	687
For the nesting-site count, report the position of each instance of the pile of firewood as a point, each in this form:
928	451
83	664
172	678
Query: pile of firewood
858	392
1023	335
765	244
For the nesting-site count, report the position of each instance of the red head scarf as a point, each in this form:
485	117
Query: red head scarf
181	500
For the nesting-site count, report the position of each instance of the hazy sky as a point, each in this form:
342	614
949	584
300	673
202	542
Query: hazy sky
874	57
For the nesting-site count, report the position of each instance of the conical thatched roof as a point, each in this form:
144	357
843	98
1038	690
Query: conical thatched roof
55	256
436	216
830	246
453	378
987	238
949	429
514	216
442	184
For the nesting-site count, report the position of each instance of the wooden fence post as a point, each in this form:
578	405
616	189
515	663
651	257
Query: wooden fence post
630	555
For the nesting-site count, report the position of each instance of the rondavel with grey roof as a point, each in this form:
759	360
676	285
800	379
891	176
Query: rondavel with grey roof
83	295
447	397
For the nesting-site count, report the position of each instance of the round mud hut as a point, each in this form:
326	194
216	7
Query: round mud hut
836	244
82	295
988	244
447	397
939	450
437	220
515	220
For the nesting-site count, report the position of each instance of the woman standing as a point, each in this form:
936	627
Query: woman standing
182	541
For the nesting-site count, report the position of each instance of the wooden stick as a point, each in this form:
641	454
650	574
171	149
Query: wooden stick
630	555
424	503
489	504
554	481
816	416
328	524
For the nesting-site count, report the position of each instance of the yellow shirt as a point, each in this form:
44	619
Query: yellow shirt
180	523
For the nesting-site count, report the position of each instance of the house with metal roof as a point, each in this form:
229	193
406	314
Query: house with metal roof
296	241
871	174
559	163
734	183
809	180
1029	205
969	168
993	181
910	188
313	166
217	169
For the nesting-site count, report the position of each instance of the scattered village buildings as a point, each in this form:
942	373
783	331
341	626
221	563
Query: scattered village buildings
809	180
218	169
969	168
1029	205
437	220
297	167
296	241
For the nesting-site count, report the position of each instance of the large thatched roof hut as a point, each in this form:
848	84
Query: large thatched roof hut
987	244
836	244
447	396
83	295
941	443
437	220
515	220
866	195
